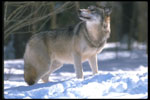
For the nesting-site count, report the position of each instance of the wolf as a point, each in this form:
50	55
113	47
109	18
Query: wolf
47	51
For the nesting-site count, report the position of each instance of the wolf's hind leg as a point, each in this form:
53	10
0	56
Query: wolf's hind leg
45	78
55	65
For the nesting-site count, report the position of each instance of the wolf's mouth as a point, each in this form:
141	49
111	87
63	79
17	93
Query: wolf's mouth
85	17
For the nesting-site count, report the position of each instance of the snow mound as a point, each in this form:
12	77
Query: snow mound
122	74
106	84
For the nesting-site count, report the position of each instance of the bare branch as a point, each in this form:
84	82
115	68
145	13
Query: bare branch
26	21
20	22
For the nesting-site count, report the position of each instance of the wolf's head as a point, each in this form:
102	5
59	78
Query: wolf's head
94	14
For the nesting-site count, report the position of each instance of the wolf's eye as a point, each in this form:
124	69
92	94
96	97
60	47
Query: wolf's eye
91	8
93	11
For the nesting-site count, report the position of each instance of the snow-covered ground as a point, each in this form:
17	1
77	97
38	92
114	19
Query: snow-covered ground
121	75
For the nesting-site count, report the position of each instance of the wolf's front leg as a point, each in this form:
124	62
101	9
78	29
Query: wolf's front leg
93	63
78	65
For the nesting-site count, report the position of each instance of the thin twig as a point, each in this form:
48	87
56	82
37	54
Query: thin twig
26	22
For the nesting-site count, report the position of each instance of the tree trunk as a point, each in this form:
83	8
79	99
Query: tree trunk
53	17
34	26
127	16
77	5
142	21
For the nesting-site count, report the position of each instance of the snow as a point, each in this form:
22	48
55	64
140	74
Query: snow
122	74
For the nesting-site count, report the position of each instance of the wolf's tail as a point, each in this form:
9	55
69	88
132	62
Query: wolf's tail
30	74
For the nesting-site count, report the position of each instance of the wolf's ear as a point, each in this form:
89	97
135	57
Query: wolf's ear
108	10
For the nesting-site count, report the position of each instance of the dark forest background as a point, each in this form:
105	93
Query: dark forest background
129	22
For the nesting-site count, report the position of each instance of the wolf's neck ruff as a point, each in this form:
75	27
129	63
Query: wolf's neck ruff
94	43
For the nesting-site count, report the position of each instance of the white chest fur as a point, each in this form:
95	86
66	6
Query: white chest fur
93	28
